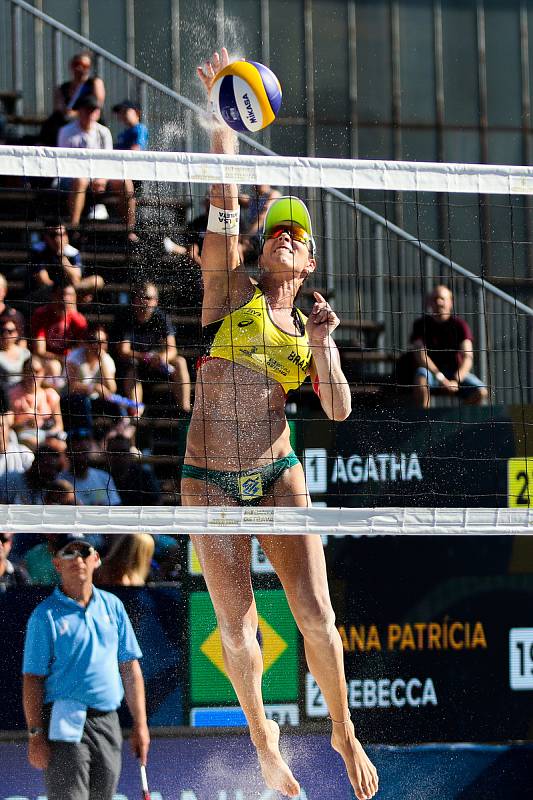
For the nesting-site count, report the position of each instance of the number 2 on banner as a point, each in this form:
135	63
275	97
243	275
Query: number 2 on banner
520	482
521	658
315	705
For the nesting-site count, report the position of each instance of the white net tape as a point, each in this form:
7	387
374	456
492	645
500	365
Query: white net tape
283	521
276	170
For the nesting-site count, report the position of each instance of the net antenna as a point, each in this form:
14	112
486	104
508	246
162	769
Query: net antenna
380	275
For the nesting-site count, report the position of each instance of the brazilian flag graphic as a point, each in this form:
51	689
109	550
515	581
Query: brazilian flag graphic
278	640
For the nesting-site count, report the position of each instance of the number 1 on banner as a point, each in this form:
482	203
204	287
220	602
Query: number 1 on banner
316	469
520	482
521	658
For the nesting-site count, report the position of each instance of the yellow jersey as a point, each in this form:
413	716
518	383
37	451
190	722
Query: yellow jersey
248	336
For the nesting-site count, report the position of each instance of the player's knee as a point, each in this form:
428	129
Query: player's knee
316	618
237	634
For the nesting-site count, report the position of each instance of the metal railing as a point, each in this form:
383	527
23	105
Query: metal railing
378	271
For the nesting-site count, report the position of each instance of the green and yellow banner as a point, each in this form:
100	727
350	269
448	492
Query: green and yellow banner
279	645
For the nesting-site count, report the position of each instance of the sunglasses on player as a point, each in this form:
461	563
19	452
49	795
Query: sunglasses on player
296	233
70	552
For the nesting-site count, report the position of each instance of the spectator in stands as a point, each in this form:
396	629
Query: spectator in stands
134	136
57	328
29	488
36	409
91	383
136	483
60	493
67	94
128	562
443	353
54	261
12	355
90	368
147	347
15	458
93	487
39	564
11	575
87	132
9	313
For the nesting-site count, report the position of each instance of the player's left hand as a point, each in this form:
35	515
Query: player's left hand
140	742
322	321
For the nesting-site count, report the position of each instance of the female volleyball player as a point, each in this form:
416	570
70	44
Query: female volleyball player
238	452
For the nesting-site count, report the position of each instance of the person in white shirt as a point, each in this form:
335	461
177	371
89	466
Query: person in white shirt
90	369
14	457
86	132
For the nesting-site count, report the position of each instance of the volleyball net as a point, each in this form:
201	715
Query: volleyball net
417	455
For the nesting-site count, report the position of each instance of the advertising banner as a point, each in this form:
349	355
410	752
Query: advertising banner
437	635
440	457
225	768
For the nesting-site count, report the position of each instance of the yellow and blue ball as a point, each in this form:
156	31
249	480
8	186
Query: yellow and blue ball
246	96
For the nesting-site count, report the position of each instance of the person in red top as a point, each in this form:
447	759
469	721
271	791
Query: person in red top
57	328
443	353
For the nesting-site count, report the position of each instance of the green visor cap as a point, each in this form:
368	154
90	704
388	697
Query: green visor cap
289	210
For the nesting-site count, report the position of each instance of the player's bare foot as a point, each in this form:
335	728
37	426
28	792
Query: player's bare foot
275	771
361	772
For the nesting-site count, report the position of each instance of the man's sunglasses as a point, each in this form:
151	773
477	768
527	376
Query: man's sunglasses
5	538
69	553
296	233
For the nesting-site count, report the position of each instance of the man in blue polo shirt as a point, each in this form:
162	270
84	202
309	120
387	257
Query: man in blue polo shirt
80	658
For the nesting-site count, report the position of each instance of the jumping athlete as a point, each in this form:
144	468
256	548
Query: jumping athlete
258	346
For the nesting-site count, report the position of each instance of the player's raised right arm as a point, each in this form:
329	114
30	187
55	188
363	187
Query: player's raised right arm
224	277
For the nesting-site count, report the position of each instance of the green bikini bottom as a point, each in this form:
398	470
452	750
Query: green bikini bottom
248	486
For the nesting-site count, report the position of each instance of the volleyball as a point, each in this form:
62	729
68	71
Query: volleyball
246	96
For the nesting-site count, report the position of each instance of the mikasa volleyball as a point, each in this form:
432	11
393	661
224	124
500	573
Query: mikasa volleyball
246	96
